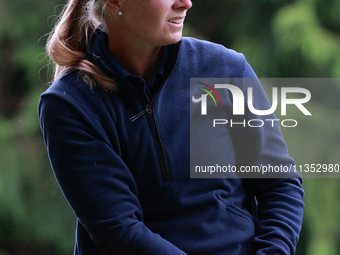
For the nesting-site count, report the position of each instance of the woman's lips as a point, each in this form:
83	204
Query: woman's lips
176	22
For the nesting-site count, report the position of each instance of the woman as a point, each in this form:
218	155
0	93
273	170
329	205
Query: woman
116	127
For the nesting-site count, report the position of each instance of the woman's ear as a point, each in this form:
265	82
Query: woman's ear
114	6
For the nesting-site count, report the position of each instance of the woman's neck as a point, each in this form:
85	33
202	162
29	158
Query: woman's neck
137	59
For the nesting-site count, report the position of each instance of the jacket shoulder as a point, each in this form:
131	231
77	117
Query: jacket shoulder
211	48
69	83
72	93
214	58
70	88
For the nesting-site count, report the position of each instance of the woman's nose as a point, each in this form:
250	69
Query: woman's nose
187	4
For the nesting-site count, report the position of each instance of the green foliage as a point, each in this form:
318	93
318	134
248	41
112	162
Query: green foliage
34	216
297	30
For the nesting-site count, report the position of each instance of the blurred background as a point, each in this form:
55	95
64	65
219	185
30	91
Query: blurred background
280	38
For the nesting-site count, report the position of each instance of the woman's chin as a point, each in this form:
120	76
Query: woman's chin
173	39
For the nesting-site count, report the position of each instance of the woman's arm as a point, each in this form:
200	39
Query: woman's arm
280	210
95	181
280	200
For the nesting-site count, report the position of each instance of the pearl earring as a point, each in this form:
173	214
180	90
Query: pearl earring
120	13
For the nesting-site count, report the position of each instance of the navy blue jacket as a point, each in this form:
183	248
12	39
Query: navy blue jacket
129	182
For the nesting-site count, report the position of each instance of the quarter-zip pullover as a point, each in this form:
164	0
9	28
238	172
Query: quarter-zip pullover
122	161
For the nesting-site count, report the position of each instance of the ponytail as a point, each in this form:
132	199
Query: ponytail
68	42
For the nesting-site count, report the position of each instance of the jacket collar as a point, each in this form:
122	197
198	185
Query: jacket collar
99	54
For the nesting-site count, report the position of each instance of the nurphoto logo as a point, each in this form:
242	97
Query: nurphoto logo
238	104
231	117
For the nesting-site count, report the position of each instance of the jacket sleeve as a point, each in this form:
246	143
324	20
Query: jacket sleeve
279	200
96	182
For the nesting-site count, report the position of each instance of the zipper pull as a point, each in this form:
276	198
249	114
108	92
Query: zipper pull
133	118
148	110
138	115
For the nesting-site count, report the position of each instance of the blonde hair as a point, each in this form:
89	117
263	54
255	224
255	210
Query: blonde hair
68	42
